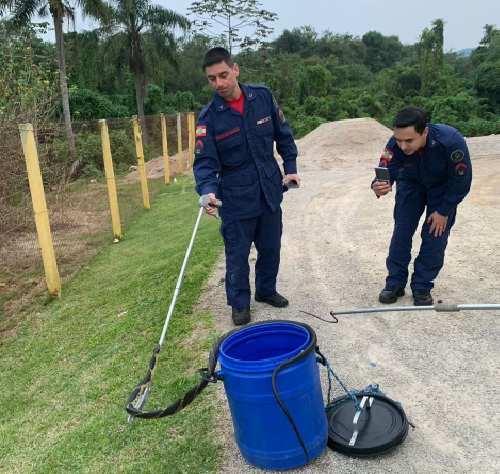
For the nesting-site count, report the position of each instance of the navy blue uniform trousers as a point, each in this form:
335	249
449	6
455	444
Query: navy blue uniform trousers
411	202
265	231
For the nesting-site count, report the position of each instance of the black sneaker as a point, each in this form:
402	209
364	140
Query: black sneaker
241	316
422	298
275	300
390	294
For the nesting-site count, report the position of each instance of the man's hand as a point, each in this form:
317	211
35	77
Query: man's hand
209	209
381	188
289	177
438	225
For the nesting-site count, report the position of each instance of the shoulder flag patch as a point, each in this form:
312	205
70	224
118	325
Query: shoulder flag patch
201	131
385	157
387	154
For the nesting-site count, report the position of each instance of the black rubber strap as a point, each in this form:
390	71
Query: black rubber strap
188	397
312	346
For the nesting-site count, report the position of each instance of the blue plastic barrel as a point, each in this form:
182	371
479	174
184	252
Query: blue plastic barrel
264	434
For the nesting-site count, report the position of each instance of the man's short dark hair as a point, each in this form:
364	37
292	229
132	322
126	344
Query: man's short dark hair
411	117
217	56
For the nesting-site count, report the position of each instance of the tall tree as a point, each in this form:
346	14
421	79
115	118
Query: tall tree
141	32
23	10
381	51
298	40
234	16
83	59
28	81
430	55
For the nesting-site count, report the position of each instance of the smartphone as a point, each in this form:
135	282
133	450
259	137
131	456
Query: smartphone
382	174
291	184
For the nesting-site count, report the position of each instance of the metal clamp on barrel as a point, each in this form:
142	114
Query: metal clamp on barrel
320	359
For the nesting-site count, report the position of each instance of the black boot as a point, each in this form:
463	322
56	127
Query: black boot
241	316
390	294
275	300
422	298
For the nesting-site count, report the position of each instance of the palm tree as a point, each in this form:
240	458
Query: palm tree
23	10
143	33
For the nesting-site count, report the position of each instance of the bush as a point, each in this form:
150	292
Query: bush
454	109
122	147
331	109
181	102
478	127
89	152
306	124
85	105
155	102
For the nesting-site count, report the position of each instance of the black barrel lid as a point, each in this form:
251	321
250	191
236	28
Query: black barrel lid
381	428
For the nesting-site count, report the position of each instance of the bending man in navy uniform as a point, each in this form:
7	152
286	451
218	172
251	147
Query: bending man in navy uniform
234	162
432	168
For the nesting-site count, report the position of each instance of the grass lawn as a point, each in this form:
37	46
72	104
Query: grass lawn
68	368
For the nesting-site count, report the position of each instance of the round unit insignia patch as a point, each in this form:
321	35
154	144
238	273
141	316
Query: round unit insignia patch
457	155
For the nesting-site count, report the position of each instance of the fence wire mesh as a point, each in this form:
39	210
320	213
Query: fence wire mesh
76	194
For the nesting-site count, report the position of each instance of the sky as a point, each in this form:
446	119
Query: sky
464	19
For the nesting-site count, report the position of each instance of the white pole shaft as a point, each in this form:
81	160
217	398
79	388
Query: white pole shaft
179	281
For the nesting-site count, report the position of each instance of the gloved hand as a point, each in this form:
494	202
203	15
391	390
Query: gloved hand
210	202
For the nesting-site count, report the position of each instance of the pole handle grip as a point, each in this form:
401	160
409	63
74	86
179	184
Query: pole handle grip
205	201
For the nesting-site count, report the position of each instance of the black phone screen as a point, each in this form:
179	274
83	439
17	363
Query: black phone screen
382	174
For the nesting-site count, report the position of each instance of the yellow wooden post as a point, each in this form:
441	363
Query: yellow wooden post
40	209
165	148
193	143
140	161
110	179
179	144
190	139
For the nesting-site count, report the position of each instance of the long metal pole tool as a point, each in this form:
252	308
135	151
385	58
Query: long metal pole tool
439	307
204	202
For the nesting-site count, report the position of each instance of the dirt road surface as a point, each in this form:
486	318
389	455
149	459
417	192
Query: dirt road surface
443	367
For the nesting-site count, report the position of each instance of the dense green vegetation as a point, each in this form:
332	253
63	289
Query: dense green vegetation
315	77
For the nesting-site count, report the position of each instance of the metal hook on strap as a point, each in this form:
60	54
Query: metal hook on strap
207	378
354	436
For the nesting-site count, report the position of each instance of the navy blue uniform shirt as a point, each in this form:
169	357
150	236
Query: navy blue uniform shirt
444	167
234	153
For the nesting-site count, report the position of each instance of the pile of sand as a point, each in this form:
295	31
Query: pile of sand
344	142
362	140
155	168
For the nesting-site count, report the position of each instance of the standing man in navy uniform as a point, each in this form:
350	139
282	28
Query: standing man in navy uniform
432	168
234	162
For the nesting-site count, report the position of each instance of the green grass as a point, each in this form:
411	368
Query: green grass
82	199
69	366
